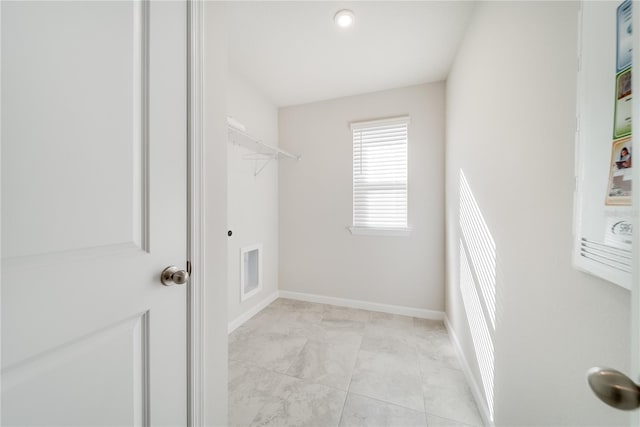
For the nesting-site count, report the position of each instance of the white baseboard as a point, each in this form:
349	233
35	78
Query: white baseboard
473	384
238	321
365	305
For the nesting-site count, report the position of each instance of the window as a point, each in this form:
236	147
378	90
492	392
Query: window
380	176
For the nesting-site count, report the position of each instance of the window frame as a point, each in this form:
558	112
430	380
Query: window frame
379	231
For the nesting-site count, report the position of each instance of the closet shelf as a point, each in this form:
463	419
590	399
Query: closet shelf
261	151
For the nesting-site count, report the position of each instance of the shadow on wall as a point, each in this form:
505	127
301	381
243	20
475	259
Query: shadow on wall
478	285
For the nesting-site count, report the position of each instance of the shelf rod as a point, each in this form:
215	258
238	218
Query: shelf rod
256	145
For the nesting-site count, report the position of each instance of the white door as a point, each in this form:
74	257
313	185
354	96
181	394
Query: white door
93	209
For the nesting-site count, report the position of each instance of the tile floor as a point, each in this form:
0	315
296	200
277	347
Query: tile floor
302	364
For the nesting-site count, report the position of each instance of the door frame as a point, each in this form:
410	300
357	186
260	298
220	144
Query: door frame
634	339
195	215
195	220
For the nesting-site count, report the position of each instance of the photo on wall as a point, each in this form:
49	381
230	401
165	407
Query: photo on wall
623	105
620	172
624	39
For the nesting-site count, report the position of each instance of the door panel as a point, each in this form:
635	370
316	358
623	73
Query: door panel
68	374
74	69
93	209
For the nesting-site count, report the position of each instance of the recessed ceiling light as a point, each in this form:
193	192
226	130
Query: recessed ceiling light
344	18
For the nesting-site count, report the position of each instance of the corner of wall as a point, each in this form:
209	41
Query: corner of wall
476	389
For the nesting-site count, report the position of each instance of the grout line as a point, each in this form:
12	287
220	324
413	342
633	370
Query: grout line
293	359
423	377
389	403
422	380
346	396
456	422
350	380
284	374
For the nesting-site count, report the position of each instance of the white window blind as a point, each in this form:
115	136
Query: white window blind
380	174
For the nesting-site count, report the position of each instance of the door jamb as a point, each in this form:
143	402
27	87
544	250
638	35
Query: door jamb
635	286
195	214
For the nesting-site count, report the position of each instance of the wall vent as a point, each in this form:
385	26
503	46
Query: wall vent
250	271
611	256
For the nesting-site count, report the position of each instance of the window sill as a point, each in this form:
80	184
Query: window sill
393	232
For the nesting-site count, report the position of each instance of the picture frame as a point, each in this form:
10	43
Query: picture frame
620	173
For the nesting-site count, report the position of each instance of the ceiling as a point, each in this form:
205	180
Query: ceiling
294	53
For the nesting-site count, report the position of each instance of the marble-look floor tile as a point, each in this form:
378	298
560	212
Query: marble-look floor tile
272	309
328	330
427	327
364	411
386	341
311	314
338	327
298	403
447	395
334	312
437	349
250	387
293	324
268	321
393	367
258	324
270	351
389	355
329	362
390	325
305	316
434	421
394	321
291	304
388	377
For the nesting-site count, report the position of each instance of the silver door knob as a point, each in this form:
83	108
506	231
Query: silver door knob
614	388
172	276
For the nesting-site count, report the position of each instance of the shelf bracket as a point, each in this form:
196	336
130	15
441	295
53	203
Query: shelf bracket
261	151
261	168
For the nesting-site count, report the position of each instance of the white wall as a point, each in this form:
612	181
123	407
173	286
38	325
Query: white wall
252	200
215	158
510	129
318	255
